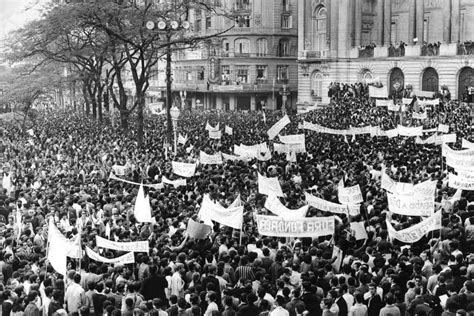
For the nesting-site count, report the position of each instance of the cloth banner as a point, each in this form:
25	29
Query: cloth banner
215	159
410	131
210	128
278	126
380	102
264	154
420	116
215	134
249	151
375	92
274	205
407	101
393	107
448	138
182	140
129	246
287	148
185	170
142	209
176	183
31	132
416	232
467	144
120	170
391	133
306	227
269	186
234	158
425	188
211	211
442	128
460	182
60	248
459	159
125	259
324	205
7	183
350	195
359	230
410	205
228	130
156	186
197	230
292	139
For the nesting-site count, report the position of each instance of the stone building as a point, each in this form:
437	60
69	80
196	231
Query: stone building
253	65
423	43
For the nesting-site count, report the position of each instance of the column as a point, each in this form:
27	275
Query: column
358	23
232	105
379	22
411	22
455	21
252	103
333	24
447	22
420	17
387	23
193	102
301	28
344	30
219	102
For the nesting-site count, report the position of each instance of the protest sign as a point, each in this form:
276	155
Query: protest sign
182	140
274	205
324	205
155	186
460	182
210	128
234	158
215	159
393	107
380	102
125	259
211	211
182	169
350	195
442	128
129	246
416	232
467	144
375	92
459	159
359	230
142	209
407	101
305	227
228	130
176	183
197	230
120	170
292	139
420	116
410	205
278	126
269	186
339	255
215	134
410	131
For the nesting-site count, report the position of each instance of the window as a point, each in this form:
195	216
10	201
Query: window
189	75
225	74
317	84
286	21
200	74
208	23
261	73
242	5
282	73
242	47
242	74
198	24
225	48
242	21
284	48
262	46
286	5
319	28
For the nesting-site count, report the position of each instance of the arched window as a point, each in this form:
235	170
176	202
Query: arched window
430	80
319	28
262	46
365	74
242	47
284	47
317	85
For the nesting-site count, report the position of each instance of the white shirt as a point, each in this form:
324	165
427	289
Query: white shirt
279	311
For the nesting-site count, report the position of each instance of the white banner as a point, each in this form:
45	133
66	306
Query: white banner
459	159
410	131
183	169
407	101
215	134
292	139
416	232
269	186
278	126
467	144
125	259
420	116
350	195
155	186
210	128
380	102
228	130
305	227
129	246
142	209
182	140
274	205
120	170
234	158
250	151
375	92
393	107
324	205
460	182
287	148
211	211
442	128
425	188
410	205
449	138
215	159
176	183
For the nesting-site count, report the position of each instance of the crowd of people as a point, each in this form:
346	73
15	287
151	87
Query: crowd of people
60	172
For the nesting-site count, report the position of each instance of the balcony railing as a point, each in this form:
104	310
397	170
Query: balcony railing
465	48
312	54
367	52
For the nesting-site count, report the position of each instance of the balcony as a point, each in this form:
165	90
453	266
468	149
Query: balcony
242	54
367	52
311	54
465	48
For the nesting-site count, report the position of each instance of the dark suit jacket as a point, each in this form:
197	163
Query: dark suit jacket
342	304
374	305
154	287
248	310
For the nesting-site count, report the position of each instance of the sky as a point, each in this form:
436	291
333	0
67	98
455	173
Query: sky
15	13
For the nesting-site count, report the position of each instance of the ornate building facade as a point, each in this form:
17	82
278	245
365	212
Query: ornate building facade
251	66
422	43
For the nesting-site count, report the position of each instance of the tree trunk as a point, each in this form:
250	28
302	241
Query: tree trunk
140	107
168	95
86	99
124	120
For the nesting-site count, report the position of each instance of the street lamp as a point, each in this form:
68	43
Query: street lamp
175	112
183	99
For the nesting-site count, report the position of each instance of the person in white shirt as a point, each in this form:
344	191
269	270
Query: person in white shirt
211	298
279	309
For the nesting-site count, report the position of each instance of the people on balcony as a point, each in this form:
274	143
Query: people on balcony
397	51
367	50
430	49
465	48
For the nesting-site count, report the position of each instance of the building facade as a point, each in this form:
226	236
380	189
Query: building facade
422	43
252	65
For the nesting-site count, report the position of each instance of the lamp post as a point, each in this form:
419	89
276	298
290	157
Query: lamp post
175	112
183	99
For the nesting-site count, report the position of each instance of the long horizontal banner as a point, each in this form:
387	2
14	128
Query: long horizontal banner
129	246
420	116
324	205
459	159
292	139
305	227
211	211
176	183
125	259
375	92
234	158
372	130
269	186
442	128
251	151
416	232
278	126
183	169
156	186
410	205
215	159
460	182
467	144
426	188
274	205
289	148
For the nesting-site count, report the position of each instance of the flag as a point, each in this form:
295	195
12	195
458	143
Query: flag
142	209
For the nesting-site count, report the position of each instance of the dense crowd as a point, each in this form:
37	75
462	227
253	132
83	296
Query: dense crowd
62	172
